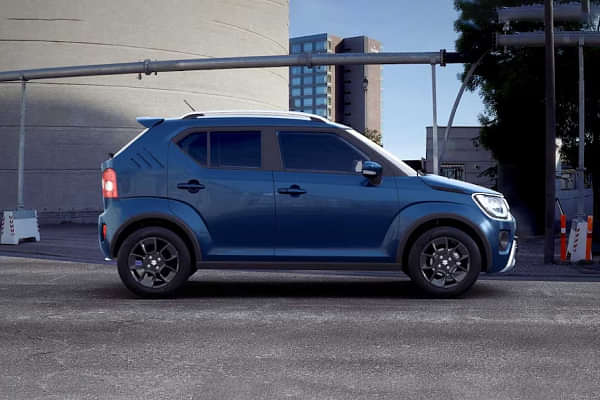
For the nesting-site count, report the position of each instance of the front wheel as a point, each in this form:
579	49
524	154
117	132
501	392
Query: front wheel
154	262
444	262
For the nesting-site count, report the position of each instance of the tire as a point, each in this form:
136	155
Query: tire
154	262
444	262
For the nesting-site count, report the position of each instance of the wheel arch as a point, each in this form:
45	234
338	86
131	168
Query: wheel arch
424	224
162	220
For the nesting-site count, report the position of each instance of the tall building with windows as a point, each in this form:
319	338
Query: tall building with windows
349	94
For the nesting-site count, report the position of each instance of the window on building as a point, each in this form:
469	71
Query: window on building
320	79
195	145
320	100
308	91
296	70
318	152
308	102
296	92
321	45
307	47
453	171
322	112
296	81
308	79
235	149
296	48
307	70
297	103
320	89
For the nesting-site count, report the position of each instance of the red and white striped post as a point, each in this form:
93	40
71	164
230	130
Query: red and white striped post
563	237
588	245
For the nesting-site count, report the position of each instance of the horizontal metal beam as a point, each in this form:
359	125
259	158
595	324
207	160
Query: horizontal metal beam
307	59
566	12
561	39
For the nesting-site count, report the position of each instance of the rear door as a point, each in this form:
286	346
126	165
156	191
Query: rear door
220	173
325	210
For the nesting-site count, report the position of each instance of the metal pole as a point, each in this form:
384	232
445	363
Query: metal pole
434	133
21	159
550	142
306	59
581	167
457	102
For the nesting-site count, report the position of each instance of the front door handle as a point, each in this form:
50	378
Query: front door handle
293	190
192	186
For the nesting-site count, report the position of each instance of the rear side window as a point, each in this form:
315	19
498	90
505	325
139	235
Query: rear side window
227	149
235	149
196	146
318	152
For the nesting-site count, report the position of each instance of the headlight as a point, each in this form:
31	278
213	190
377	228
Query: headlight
494	206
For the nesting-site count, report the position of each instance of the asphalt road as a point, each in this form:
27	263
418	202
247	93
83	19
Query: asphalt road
71	331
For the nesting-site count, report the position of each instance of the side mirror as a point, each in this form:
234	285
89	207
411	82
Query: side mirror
371	170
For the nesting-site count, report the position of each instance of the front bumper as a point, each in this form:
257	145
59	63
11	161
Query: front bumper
512	259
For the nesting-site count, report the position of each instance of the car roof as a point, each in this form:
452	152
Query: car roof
250	118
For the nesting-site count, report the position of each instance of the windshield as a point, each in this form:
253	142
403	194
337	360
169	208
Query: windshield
405	168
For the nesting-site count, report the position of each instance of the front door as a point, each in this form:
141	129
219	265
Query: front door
221	175
325	210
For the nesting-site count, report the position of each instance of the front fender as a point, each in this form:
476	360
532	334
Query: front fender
413	217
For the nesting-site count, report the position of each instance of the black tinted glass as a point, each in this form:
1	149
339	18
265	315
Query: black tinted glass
195	146
235	149
317	151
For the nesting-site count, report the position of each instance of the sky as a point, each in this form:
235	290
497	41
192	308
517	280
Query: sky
401	26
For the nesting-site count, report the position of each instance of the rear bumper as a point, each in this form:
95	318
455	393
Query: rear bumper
512	259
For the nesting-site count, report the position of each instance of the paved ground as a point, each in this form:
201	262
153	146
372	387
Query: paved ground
71	331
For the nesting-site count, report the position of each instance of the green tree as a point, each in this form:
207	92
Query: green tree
512	85
374	135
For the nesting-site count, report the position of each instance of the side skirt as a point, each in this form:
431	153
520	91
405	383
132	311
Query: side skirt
279	265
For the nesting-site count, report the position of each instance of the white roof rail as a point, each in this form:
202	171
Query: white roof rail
255	113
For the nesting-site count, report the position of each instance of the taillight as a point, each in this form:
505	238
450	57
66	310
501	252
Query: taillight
103	231
109	184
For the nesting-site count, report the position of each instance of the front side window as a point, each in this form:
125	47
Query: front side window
235	149
195	145
318	152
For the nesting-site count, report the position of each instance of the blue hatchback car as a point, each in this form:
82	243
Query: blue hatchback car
275	190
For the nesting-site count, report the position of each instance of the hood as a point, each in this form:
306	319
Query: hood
452	185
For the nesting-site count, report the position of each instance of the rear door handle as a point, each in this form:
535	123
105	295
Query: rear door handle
192	186
293	190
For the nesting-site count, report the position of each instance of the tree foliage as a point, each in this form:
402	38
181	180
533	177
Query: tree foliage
374	135
512	85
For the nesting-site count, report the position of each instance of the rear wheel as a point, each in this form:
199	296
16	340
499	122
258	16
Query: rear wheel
444	262
154	262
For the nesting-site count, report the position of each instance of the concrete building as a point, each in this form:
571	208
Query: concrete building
350	94
464	159
72	124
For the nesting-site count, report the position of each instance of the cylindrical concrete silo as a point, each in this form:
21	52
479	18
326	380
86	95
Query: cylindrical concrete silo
72	124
